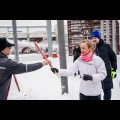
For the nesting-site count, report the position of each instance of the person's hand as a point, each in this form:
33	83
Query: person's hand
54	70
87	77
46	62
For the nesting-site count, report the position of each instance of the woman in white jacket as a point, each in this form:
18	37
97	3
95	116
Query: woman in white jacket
92	70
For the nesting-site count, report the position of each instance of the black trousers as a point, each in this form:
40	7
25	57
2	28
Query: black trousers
107	94
84	97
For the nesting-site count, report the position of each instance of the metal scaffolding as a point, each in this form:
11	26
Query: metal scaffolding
80	29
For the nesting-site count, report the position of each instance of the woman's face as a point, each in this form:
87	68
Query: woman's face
84	49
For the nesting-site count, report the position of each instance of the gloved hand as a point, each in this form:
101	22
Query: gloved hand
87	77
54	70
113	74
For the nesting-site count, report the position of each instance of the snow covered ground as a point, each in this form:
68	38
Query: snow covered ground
44	85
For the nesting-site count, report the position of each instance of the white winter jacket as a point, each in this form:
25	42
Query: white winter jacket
95	67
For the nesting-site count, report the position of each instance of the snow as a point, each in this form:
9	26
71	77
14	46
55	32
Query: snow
44	85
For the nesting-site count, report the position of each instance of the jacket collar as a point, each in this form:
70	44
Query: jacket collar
2	55
100	42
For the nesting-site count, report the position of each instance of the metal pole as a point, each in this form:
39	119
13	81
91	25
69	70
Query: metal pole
15	40
62	53
16	48
102	29
28	36
107	32
49	37
114	35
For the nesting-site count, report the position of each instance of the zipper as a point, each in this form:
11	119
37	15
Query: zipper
97	51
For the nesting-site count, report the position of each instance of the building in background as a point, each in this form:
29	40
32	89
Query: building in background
81	29
38	35
33	36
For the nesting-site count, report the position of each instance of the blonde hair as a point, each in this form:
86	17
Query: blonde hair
89	43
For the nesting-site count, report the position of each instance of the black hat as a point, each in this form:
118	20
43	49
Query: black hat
4	43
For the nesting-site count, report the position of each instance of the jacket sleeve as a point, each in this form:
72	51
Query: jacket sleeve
17	68
112	57
71	70
2	70
100	69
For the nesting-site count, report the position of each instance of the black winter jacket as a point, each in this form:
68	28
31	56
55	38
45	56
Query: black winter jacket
76	53
105	51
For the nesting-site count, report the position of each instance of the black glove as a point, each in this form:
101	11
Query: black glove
87	77
54	70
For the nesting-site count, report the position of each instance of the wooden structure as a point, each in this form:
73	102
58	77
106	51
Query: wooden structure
81	29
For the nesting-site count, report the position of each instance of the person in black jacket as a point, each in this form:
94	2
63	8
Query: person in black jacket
109	57
9	67
76	55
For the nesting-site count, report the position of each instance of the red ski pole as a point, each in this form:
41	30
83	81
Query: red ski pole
44	56
16	82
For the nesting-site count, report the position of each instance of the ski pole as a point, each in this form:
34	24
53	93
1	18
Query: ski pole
44	56
16	82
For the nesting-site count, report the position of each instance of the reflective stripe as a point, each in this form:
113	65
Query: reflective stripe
2	68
